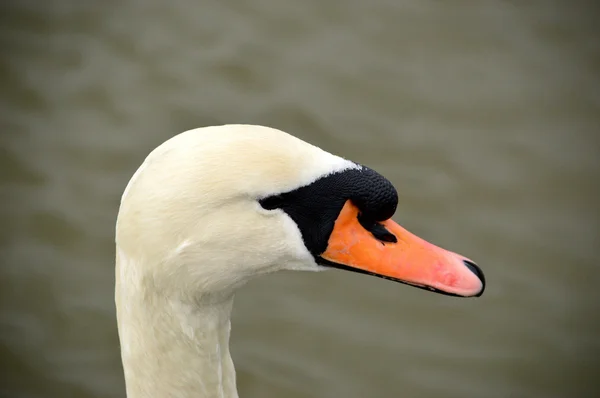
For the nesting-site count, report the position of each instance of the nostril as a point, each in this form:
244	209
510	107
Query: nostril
477	271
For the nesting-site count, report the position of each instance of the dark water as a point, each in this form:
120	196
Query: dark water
485	115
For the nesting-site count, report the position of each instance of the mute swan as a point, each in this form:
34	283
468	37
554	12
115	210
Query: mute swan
212	207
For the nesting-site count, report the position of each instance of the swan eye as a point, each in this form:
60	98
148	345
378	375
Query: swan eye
271	202
377	230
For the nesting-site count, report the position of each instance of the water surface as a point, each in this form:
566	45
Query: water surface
485	116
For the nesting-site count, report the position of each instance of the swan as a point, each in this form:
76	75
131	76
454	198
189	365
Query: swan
211	208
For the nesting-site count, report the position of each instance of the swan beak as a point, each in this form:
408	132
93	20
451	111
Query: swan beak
410	260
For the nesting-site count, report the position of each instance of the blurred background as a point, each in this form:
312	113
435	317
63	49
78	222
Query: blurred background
484	114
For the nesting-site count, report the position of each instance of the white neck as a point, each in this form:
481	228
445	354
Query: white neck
172	348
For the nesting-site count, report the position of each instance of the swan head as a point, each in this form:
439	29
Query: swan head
212	207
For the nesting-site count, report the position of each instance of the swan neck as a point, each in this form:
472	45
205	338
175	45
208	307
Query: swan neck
173	347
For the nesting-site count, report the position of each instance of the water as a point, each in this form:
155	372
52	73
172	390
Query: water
483	114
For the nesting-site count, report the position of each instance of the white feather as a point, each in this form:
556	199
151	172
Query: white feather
189	232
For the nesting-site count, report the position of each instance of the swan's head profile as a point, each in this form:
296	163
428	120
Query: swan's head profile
212	207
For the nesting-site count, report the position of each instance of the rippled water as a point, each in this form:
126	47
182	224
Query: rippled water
485	115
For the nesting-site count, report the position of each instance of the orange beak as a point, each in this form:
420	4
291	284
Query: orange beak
410	260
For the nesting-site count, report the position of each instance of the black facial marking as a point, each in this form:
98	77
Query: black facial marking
315	207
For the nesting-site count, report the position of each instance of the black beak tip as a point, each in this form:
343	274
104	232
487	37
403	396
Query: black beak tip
477	271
